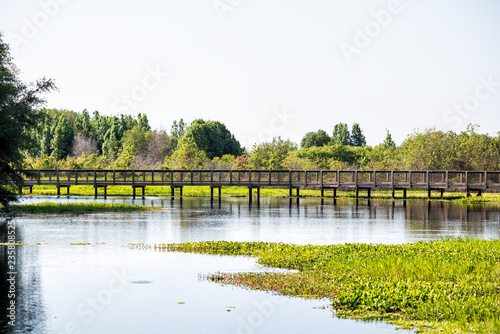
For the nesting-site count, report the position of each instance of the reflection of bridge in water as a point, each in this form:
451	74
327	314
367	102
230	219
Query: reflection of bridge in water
356	180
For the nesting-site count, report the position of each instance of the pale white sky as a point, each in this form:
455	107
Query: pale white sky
267	67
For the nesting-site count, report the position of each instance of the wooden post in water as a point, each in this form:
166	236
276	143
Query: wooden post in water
250	195
467	185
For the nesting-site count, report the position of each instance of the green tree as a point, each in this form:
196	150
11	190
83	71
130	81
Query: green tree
213	138
271	155
83	124
142	120
18	116
187	155
341	134
319	138
178	129
62	141
136	138
388	142
357	136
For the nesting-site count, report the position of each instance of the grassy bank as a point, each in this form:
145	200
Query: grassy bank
48	207
445	286
243	192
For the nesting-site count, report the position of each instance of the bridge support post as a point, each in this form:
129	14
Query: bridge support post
357	192
369	193
298	192
393	193
250	195
143	191
220	194
172	191
442	193
290	192
429	194
133	192
258	195
58	191
95	192
31	189
322	192
180	191
211	194
334	192
105	192
404	193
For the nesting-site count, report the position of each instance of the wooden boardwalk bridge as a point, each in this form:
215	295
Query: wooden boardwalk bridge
323	180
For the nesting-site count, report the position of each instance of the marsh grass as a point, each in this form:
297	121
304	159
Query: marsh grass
91	207
450	285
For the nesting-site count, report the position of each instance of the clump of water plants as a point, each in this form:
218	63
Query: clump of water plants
49	207
450	285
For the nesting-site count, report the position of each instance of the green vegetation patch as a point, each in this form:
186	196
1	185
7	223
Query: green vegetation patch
48	207
450	285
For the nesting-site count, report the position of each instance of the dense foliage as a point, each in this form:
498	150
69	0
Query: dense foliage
449	285
18	103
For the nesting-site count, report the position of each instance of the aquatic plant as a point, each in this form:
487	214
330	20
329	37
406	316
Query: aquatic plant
450	285
49	207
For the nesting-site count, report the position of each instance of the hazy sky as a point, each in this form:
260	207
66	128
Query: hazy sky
267	67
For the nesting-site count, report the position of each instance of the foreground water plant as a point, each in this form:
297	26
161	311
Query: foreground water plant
49	207
450	285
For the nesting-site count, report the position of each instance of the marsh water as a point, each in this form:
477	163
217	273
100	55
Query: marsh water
77	273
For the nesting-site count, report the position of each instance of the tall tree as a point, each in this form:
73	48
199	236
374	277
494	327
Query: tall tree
388	142
62	142
341	134
18	115
311	139
357	136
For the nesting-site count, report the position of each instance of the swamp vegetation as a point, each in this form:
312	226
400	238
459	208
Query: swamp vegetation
449	285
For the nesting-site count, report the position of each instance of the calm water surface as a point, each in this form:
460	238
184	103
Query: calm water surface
105	287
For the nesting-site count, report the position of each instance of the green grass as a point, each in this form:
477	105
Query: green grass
445	286
48	207
243	192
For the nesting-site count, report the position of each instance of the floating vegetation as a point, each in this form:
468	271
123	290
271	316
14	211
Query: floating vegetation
181	303
450	285
49	207
13	244
80	243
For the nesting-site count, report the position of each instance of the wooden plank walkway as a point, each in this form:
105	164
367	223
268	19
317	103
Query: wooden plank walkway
323	180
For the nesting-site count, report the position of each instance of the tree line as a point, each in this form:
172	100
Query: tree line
67	139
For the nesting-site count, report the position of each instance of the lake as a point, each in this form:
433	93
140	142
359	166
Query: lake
77	273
